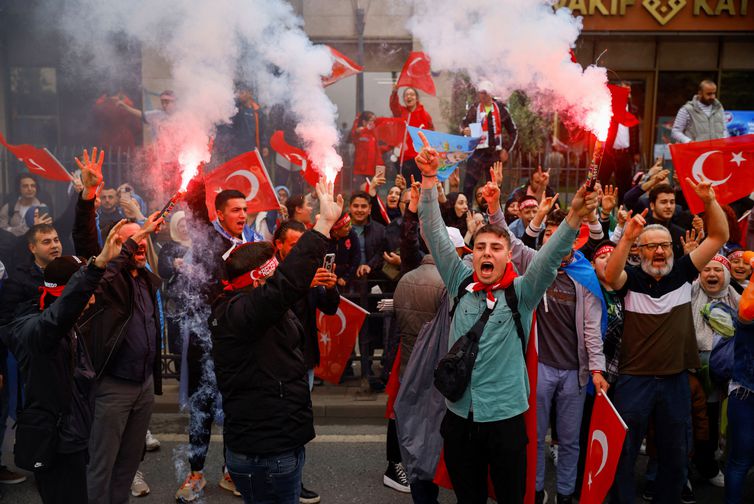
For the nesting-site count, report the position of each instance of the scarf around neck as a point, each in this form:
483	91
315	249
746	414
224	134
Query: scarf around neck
507	279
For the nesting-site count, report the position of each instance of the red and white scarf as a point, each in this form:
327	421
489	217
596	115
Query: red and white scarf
476	286
481	117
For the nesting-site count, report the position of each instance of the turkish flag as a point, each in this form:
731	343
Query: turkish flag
39	161
417	74
245	173
337	337
295	156
390	130
342	67
607	432
728	163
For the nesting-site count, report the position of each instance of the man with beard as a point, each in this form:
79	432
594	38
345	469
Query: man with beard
659	344
701	118
123	336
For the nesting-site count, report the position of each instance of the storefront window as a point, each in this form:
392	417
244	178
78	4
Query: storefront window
34	105
735	90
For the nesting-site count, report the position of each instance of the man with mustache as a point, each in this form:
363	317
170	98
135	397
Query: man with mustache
123	335
659	344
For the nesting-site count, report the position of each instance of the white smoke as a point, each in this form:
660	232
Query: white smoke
515	44
209	45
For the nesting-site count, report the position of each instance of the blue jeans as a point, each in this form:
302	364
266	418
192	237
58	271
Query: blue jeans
269	479
741	442
561	387
667	399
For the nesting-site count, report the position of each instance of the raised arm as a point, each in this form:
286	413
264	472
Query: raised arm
717	225
84	232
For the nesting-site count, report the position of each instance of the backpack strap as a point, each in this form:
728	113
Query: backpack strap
461	292
512	300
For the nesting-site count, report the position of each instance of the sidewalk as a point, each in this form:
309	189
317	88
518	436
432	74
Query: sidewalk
333	404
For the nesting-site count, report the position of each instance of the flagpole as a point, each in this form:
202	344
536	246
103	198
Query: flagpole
405	134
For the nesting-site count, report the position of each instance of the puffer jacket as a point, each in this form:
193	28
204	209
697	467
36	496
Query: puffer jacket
259	364
54	361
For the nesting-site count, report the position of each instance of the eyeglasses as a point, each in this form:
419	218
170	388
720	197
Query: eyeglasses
666	246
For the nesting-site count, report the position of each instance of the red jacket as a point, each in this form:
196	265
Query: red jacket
418	118
366	155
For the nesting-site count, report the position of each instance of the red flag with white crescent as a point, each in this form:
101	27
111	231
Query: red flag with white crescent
728	163
342	67
295	156
245	173
39	161
337	337
607	432
417	73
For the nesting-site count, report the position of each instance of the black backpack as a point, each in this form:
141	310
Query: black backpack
453	372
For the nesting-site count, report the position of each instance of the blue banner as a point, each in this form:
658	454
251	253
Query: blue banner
739	122
452	148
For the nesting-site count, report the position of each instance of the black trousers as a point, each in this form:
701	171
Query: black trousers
65	482
475	449
478	167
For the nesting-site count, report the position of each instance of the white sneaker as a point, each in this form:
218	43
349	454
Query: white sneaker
554	454
139	487
718	480
152	442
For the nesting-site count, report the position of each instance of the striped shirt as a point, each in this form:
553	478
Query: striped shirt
658	331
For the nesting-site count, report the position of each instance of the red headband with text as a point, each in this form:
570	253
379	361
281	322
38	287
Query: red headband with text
263	271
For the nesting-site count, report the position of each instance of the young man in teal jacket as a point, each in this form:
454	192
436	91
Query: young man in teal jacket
484	431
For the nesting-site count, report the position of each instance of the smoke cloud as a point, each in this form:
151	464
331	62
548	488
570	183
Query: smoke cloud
515	44
211	45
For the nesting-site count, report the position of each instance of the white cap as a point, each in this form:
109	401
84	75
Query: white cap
485	86
456	239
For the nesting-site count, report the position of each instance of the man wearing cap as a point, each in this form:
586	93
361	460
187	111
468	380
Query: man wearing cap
659	344
491	117
58	373
259	363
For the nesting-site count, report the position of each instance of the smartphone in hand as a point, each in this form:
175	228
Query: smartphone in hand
329	262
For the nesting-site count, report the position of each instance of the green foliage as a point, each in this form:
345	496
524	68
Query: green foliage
533	128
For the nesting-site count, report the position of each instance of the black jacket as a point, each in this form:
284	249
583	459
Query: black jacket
375	243
346	252
506	121
260	368
104	328
20	290
56	368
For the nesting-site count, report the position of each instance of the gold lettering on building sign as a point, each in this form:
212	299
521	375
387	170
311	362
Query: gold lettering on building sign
597	5
590	7
722	6
663	12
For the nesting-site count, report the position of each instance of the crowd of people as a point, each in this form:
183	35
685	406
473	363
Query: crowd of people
635	297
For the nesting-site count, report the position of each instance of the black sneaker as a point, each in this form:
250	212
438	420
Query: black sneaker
307	496
564	499
540	497
649	491
687	495
395	478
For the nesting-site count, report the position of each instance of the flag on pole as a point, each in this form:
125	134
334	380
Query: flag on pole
728	163
337	337
417	73
295	156
342	67
452	148
245	173
390	130
607	432
39	161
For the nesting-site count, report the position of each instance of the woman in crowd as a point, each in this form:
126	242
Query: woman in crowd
412	111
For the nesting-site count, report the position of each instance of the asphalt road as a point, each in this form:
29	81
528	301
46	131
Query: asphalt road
344	465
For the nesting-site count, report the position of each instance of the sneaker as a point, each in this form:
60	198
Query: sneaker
687	495
649	491
226	483
139	487
554	454
540	497
8	477
395	478
191	488
307	496
718	480
152	442
643	448
564	499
